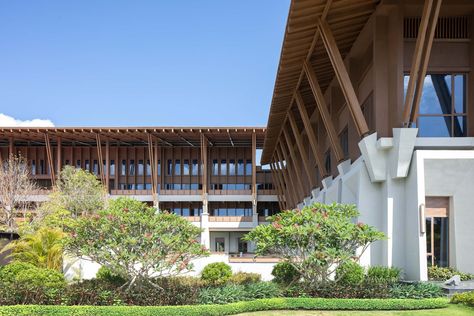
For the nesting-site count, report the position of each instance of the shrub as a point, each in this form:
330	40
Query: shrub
107	275
216	273
342	290
91	292
436	273
466	298
262	290
379	274
285	273
245	278
416	290
350	273
228	309
234	293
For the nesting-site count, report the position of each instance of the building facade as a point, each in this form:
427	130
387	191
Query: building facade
373	104
210	176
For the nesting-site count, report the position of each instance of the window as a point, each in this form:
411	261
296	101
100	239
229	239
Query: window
87	165
140	186
223	167
195	167
220	244
442	110
140	167
215	168
131	168
123	168
344	140
159	167
148	167
170	167
232	167
177	167
248	167
78	163
240	167
112	167
33	167
327	161
186	167
95	167
367	110
242	245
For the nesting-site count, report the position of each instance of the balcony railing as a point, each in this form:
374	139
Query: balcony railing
193	218
230	192
235	219
266	192
130	192
180	192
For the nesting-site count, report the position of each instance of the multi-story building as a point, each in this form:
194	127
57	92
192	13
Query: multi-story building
208	175
373	104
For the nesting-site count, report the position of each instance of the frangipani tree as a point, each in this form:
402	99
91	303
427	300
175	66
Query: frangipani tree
316	239
135	241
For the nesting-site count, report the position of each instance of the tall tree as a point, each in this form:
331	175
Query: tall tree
15	185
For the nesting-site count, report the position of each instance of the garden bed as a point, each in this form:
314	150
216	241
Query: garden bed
231	309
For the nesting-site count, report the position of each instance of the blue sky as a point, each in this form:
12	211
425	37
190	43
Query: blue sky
140	63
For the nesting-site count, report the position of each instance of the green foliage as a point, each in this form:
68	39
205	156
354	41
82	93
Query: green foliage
285	273
416	290
350	272
380	274
436	273
42	248
24	283
342	290
135	241
216	273
315	239
245	278
466	298
228	309
234	293
107	275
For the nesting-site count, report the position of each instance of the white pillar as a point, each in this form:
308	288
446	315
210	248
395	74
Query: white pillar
205	234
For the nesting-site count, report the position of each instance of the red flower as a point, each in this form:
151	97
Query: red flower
276	225
148	235
360	224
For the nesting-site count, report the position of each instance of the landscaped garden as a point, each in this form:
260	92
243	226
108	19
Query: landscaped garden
146	256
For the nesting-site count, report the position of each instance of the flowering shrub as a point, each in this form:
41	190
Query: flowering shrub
216	273
316	239
135	241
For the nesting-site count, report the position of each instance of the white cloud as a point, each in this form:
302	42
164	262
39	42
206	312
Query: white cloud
8	121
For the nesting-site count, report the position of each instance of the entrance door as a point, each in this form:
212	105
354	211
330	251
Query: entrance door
437	231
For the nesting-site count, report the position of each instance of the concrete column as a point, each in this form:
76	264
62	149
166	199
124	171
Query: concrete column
254	213
205	234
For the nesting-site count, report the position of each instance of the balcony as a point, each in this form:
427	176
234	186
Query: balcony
130	192
230	192
230	219
193	218
180	192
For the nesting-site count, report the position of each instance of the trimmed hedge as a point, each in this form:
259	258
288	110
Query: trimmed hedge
229	309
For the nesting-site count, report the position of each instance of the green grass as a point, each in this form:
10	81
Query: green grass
451	310
268	305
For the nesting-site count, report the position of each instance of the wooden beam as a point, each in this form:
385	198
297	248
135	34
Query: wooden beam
151	155
107	165
296	162
101	161
301	150
11	150
254	165
323	111
278	188
288	181
281	182
343	78
204	142
416	61
59	156
425	56
49	156
311	136
292	175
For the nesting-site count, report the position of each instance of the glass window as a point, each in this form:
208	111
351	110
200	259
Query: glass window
344	140
159	167
327	161
140	186
78	163
248	167
223	167
242	245
131	168
195	167
215	167
232	167
220	244
95	167
123	170
186	167
87	165
33	167
442	110
148	167
140	167
112	167
177	167
240	167
170	167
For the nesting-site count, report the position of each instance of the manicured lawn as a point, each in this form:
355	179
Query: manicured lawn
451	310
